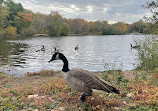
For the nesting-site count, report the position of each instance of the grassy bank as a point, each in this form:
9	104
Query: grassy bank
46	91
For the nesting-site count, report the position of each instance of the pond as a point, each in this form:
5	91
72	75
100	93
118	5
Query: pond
19	55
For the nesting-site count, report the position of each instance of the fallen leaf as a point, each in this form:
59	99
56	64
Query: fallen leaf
32	96
129	95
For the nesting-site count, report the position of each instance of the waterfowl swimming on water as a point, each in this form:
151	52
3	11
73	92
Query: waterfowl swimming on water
137	46
22	49
76	48
43	48
55	49
82	80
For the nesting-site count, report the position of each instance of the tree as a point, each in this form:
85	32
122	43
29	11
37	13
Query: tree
152	6
96	27
22	20
119	28
54	24
65	29
137	27
1	1
14	8
76	26
3	16
85	27
106	28
40	23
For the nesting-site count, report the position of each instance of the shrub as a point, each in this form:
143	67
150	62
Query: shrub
148	54
11	31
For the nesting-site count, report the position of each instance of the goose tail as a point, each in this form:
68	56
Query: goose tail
109	88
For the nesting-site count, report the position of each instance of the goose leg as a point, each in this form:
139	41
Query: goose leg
83	96
70	90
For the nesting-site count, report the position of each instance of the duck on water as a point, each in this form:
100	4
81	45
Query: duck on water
136	46
76	48
82	80
42	49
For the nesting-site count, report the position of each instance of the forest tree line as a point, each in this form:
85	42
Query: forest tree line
14	19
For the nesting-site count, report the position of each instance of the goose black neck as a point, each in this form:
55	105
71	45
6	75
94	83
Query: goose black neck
66	65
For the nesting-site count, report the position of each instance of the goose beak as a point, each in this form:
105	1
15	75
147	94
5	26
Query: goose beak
52	59
49	61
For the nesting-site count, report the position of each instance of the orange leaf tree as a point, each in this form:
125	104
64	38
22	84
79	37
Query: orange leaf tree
120	28
22	20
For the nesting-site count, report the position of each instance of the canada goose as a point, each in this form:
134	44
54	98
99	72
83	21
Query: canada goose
137	46
22	50
55	49
76	48
43	48
82	80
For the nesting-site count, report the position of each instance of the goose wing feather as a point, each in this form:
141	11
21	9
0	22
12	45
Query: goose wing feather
91	80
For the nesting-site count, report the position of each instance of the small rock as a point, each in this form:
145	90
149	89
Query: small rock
101	96
132	105
29	109
35	110
80	109
129	95
110	94
32	96
103	109
40	97
92	98
124	102
61	108
116	108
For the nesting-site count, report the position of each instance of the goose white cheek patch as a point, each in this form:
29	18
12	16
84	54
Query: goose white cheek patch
57	57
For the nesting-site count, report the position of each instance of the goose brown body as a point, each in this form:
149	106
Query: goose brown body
82	80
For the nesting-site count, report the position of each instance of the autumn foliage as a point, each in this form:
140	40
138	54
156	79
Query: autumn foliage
26	17
55	24
144	93
22	21
11	31
47	91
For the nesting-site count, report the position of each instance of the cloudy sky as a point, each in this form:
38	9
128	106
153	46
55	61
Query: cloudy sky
128	11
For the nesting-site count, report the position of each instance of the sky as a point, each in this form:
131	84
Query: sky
128	11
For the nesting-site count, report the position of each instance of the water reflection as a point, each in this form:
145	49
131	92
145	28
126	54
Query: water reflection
19	55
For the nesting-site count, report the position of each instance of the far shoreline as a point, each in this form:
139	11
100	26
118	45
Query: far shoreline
47	35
